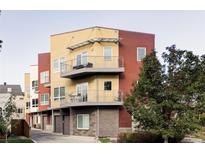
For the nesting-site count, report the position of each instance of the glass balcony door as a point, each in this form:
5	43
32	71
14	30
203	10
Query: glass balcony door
82	59
82	92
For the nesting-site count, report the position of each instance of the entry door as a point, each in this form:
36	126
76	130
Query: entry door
66	125
44	122
58	124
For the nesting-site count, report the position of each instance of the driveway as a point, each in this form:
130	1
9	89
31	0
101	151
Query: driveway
40	136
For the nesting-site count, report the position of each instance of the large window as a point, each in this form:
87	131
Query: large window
59	64
141	53
107	53
44	99
34	102
107	85
83	121
44	77
59	93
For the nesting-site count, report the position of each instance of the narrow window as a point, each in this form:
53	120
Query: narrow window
107	53
141	53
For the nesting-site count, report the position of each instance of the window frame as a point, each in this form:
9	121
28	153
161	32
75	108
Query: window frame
110	86
104	57
44	77
145	52
44	102
36	102
59	97
81	57
83	128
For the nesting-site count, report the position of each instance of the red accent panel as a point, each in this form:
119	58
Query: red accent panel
43	65
129	41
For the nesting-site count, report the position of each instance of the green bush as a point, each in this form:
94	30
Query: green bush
139	137
146	137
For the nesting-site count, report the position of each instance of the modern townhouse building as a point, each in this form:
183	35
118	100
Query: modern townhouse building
27	95
14	91
35	120
44	90
90	72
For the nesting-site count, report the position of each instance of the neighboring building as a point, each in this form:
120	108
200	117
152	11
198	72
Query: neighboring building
90	72
6	91
44	90
27	95
35	120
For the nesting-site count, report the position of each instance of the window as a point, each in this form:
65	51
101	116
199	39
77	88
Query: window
83	121
107	85
56	65
82	92
27	105
107	53
82	59
34	102
19	110
59	93
44	77
141	53
44	99
59	64
35	85
9	90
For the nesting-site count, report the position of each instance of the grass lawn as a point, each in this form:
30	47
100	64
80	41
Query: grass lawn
104	140
17	140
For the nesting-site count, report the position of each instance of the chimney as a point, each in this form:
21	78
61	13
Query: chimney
4	83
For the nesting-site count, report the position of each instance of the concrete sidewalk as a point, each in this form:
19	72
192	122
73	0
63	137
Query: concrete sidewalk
40	136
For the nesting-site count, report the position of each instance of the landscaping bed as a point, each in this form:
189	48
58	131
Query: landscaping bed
15	139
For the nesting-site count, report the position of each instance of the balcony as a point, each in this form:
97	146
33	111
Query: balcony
93	98
47	85
90	65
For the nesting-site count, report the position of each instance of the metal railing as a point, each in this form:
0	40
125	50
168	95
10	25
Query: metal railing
92	62
94	96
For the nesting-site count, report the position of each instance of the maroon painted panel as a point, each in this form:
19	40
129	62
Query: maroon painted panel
129	41
43	65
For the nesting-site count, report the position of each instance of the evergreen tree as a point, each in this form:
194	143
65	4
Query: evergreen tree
165	102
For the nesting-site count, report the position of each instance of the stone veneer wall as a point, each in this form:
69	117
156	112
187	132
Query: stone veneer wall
92	115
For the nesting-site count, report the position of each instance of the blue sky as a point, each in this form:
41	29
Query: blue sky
27	33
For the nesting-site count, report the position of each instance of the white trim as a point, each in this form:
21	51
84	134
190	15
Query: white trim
44	102
104	53
44	76
59	97
80	84
81	55
144	50
88	121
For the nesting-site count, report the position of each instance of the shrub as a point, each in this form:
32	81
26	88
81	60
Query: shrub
139	137
146	137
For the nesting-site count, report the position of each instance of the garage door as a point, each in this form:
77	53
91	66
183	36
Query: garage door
58	124
109	122
66	125
44	122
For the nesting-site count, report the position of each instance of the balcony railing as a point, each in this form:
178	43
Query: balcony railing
92	64
93	96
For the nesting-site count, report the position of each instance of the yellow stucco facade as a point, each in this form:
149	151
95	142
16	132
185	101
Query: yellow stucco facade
95	54
27	90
